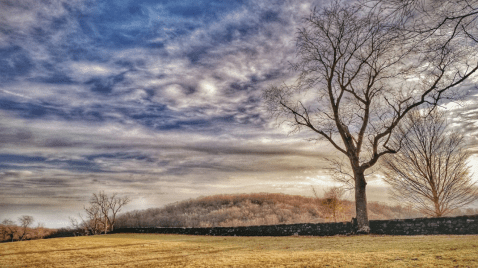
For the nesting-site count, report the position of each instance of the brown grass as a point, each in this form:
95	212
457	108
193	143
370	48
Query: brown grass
152	250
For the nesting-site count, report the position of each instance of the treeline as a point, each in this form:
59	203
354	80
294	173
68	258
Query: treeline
210	211
11	231
255	209
100	218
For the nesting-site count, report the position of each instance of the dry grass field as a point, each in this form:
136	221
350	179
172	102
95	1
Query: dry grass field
154	250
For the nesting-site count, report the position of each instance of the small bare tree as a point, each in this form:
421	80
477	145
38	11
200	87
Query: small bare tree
93	221
25	223
332	203
40	230
361	71
81	227
8	229
430	172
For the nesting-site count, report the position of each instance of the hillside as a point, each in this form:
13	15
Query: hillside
252	209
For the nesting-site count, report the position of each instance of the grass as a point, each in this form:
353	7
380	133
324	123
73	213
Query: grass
155	250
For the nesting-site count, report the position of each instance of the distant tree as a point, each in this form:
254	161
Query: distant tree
92	224
8	230
25	223
405	211
93	221
331	203
40	230
115	205
101	213
137	218
430	172
108	207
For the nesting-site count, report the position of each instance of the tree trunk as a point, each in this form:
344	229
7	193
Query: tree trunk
438	212
361	203
106	224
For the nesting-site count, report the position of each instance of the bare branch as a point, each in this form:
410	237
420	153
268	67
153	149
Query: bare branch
430	172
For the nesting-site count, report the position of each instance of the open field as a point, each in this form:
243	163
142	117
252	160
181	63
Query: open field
153	250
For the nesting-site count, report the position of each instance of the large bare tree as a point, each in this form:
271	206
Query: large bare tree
108	207
101	213
361	70
430	172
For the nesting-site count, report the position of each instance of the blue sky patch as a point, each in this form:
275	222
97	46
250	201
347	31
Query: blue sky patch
14	62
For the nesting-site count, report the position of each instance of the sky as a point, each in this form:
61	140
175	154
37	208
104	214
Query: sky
156	100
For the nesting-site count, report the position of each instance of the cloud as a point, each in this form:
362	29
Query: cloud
160	100
65	157
87	70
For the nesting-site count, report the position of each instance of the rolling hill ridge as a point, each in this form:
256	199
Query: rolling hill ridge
254	209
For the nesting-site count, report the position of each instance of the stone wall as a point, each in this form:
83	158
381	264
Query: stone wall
426	226
420	226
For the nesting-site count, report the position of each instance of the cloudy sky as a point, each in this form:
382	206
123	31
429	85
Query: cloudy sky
157	100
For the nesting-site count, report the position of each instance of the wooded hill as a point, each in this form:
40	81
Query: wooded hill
254	209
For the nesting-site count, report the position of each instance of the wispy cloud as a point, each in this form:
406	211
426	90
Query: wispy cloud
160	100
